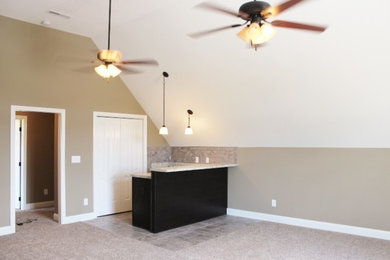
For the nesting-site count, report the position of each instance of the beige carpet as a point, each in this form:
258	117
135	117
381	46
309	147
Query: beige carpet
226	237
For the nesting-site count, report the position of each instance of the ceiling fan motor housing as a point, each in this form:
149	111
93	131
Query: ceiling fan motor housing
251	10
110	56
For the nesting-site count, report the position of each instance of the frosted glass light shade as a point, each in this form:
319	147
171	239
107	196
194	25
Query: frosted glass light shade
163	130
107	71
188	131
256	34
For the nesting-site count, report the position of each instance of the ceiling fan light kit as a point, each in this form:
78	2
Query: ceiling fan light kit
107	71
256	34
256	13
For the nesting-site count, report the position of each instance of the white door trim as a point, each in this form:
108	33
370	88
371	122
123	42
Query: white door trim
97	114
61	159
23	160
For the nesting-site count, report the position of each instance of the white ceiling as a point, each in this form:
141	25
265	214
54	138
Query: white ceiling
301	90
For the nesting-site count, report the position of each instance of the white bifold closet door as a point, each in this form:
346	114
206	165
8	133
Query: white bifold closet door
119	152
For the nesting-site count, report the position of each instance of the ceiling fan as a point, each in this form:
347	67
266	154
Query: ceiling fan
110	61
255	13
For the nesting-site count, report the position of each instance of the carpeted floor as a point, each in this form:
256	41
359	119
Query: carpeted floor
226	237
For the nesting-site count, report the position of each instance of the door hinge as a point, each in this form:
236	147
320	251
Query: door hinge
20	129
20	198
20	163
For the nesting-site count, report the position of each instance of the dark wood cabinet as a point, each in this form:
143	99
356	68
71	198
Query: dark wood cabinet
180	198
141	197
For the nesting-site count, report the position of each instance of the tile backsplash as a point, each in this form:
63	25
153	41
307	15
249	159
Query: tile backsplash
158	154
215	154
187	154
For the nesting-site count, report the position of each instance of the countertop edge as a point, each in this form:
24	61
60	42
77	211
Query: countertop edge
146	175
192	167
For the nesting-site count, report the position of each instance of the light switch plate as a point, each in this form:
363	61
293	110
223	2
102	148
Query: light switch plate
76	159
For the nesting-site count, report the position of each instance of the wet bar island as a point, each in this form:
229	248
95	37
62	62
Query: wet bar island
178	194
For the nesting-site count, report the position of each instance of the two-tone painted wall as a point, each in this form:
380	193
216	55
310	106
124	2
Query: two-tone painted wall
41	68
347	186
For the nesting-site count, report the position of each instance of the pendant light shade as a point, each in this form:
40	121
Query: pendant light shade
164	129
188	130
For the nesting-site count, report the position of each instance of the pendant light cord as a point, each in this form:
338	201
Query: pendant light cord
164	101
109	25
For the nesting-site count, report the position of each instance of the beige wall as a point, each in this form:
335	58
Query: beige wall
44	68
344	186
39	156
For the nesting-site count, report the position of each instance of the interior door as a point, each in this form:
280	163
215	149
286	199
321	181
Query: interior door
119	152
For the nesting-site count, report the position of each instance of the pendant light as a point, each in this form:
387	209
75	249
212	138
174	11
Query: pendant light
164	129
188	130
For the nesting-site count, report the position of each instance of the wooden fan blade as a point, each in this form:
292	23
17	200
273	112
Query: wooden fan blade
127	70
204	33
139	62
275	10
217	8
301	26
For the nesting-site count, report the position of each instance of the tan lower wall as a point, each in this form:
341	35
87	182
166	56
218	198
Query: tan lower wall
343	186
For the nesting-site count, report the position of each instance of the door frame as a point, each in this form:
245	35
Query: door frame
97	114
61	159
23	152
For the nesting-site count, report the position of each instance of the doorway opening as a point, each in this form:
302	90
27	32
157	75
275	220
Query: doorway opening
41	192
35	162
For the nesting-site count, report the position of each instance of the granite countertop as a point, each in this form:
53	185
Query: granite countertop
177	167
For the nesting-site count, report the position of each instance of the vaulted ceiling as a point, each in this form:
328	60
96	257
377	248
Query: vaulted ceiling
302	89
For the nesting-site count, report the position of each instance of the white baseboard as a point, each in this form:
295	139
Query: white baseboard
78	218
39	205
352	230
7	230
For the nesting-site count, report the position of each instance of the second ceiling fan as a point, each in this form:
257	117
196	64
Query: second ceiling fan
110	61
255	13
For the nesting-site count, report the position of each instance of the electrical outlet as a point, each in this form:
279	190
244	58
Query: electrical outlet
45	192
86	202
273	203
196	159
207	159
